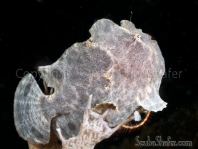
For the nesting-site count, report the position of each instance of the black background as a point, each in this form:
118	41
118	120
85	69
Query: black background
37	32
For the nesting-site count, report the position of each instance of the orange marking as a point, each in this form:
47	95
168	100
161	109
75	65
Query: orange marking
140	124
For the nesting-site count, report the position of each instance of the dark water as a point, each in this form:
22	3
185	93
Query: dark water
34	33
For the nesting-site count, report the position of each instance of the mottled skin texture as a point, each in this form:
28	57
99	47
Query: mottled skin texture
93	129
117	64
